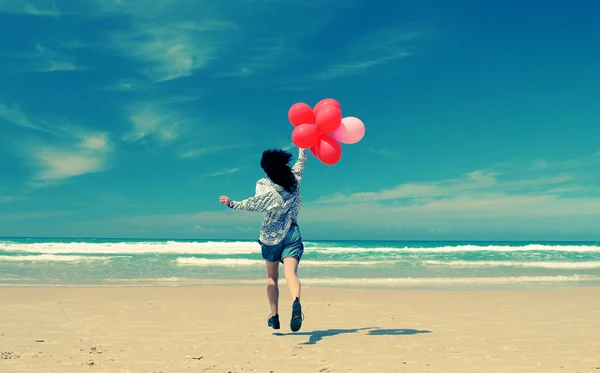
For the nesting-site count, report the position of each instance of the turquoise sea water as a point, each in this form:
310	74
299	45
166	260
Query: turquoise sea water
117	262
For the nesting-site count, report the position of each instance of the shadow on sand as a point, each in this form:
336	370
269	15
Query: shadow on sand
317	335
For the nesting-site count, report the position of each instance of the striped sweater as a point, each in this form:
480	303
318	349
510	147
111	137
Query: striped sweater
279	206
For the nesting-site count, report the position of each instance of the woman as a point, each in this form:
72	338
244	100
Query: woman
278	197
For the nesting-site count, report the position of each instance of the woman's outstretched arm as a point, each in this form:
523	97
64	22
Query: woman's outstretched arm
298	168
264	200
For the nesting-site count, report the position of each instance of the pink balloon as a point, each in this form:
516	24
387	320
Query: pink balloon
329	150
300	113
351	131
329	119
305	136
325	102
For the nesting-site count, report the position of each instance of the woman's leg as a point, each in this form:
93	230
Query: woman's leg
272	287
290	269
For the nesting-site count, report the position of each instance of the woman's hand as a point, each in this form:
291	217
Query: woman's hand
225	200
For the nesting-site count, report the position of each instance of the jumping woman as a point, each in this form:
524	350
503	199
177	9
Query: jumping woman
278	197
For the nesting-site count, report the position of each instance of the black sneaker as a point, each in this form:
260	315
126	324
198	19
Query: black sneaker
274	322
297	316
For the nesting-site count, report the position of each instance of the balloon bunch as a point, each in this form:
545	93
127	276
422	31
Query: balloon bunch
322	128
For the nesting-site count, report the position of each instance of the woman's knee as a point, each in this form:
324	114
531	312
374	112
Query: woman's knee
272	273
272	280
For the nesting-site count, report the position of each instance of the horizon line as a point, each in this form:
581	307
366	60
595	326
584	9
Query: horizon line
140	239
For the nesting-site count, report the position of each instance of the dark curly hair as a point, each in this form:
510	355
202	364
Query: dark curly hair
275	163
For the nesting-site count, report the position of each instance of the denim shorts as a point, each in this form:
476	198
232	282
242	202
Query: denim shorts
290	247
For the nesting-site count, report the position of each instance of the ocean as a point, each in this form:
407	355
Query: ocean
371	264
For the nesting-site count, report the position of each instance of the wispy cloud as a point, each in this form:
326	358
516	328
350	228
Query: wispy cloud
171	39
264	54
548	165
198	152
161	123
32	8
66	150
14	115
31	216
48	60
125	85
378	48
288	147
59	163
388	153
153	123
172	51
225	171
476	200
472	183
41	59
67	158
568	164
8	198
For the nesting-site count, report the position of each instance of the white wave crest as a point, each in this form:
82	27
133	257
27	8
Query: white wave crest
203	262
53	258
398	281
247	247
460	248
444	280
170	247
481	264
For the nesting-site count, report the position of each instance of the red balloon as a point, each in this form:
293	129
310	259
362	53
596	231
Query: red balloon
315	150
300	113
325	102
305	136
329	119
329	150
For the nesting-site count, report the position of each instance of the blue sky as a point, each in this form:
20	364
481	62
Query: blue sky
129	118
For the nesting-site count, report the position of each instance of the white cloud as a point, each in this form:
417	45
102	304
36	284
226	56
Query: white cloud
51	61
32	7
226	171
198	152
65	151
14	115
377	48
159	124
45	60
265	54
172	51
288	147
172	39
573	163
388	153
153	122
94	142
547	165
8	198
183	98
30	216
478	200
126	85
177	38
57	163
467	183
83	153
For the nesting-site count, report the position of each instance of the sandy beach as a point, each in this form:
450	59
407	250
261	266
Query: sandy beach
223	329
